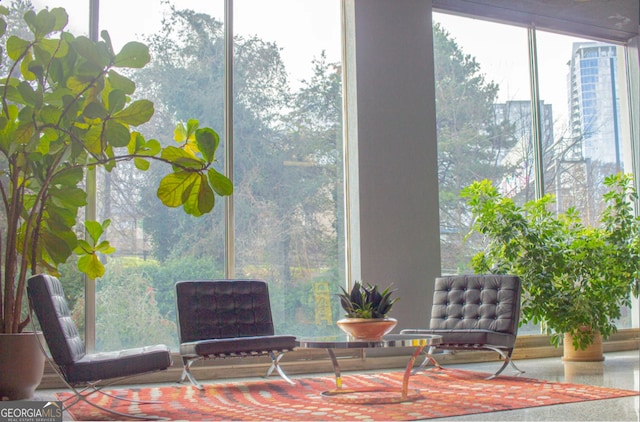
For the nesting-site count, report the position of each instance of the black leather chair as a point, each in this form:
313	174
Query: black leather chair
227	318
475	312
84	373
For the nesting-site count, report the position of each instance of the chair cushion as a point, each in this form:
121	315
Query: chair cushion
49	303
215	309
476	302
452	339
239	346
122	363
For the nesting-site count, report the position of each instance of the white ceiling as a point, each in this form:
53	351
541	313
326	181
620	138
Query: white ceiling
608	20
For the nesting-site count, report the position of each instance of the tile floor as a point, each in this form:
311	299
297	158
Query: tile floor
618	370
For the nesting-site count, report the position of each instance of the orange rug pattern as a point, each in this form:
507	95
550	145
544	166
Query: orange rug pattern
445	393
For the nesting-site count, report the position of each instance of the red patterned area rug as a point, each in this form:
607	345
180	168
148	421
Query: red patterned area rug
443	393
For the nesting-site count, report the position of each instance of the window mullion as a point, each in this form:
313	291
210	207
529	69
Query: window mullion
536	123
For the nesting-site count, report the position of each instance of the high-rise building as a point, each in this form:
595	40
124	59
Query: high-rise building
593	102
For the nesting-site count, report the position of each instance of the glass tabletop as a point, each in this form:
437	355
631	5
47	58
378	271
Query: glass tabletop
349	342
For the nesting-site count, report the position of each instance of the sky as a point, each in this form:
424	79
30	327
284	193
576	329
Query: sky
502	52
305	28
301	28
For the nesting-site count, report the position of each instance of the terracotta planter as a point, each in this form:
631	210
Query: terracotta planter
367	329
21	365
593	353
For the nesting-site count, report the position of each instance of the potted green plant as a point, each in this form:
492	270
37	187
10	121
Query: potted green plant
366	309
575	278
66	107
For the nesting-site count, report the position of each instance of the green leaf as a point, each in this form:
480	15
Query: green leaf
26	68
207	140
61	18
181	157
219	182
105	247
69	195
30	19
88	70
175	188
91	266
117	101
90	51
117	134
55	98
152	147
83	247
134	54
94	230
201	198
92	140
141	164
27	93
55	48
44	23
192	126
16	47
95	111
137	113
23	134
76	84
180	133
107	41
49	114
119	82
56	246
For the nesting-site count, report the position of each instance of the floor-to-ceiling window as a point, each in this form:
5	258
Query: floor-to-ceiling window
483	118
485	121
287	164
156	245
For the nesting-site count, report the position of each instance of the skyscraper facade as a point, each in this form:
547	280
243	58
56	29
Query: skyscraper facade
594	103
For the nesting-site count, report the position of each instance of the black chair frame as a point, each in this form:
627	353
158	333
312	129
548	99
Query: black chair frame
86	374
220	319
474	312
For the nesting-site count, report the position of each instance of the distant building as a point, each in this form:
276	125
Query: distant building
518	115
594	111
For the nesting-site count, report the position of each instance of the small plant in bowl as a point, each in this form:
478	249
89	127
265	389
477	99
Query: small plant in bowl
366	308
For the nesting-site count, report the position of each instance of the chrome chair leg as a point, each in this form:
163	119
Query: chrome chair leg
186	372
428	359
507	361
84	393
275	364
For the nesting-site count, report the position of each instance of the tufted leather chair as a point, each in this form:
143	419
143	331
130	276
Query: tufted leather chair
475	312
227	318
76	367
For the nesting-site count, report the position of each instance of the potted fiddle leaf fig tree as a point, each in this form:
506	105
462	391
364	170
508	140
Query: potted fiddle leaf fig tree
68	107
576	279
366	308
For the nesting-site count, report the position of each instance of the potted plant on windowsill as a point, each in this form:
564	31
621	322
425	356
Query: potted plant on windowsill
575	278
366	309
66	107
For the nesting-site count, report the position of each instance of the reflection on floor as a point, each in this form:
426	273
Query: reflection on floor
619	370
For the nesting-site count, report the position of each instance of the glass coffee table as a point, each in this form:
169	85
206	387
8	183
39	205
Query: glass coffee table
371	395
